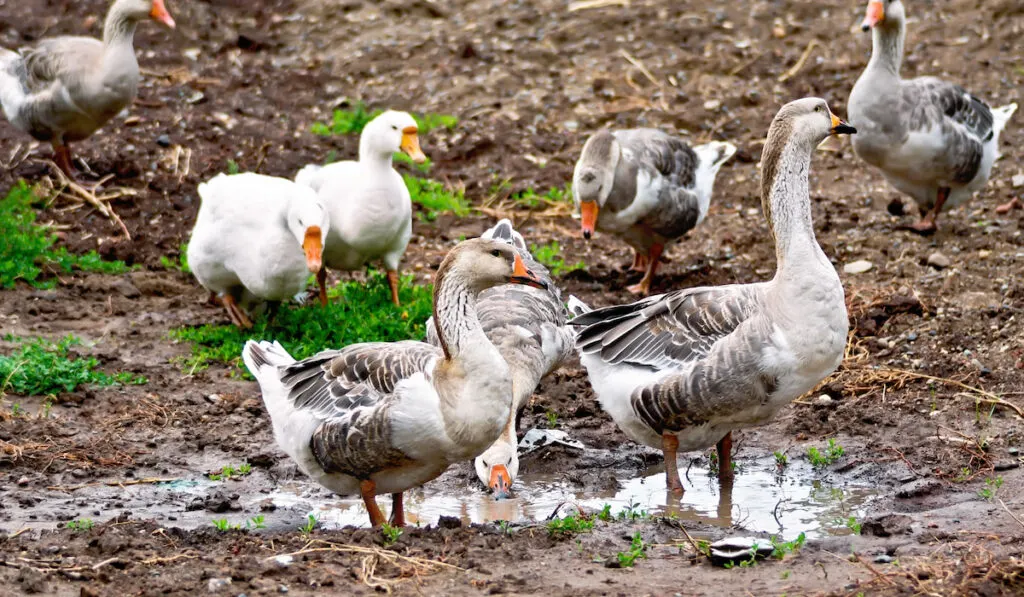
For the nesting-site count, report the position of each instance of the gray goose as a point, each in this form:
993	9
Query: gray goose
647	187
63	89
931	139
382	417
528	327
680	371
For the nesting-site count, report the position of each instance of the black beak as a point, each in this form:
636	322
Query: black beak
865	27
528	281
843	128
586	234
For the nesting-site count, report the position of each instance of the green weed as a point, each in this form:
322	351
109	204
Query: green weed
424	167
785	547
80	525
532	200
606	513
853	525
231	472
390	533
311	524
550	256
180	264
991	488
574	523
435	198
27	251
632	511
256	522
17	410
832	453
222	524
41	368
637	549
781	461
552	418
352	122
357	312
232	167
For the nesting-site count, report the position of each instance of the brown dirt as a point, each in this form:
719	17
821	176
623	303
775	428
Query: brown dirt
528	81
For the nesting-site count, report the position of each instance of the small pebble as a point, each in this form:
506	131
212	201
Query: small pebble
939	261
571	125
883	559
1017	180
164	140
858	267
825	400
216	584
712	105
912	336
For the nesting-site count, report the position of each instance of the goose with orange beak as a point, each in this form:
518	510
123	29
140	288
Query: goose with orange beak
370	206
63	89
646	187
383	417
528	327
931	139
256	240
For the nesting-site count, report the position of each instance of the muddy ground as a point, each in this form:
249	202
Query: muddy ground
927	404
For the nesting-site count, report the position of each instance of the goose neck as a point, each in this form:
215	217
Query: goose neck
457	324
787	204
887	48
118	28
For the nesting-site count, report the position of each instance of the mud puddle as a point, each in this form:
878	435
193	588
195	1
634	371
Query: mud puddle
760	500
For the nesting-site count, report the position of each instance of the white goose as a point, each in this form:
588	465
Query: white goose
384	417
681	370
64	88
647	187
527	326
931	139
371	212
256	239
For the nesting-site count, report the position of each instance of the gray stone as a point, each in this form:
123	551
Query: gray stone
939	261
858	267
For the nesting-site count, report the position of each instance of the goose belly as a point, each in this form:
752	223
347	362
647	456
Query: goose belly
614	386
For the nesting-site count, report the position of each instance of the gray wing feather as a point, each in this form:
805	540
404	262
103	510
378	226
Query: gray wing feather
965	121
665	156
352	391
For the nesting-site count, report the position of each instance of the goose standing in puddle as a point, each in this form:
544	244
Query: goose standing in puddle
931	139
528	327
647	187
371	210
63	89
382	417
680	371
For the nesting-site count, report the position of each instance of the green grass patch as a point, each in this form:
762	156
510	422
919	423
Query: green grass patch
180	264
41	368
402	158
435	198
551	256
28	252
822	458
357	312
533	200
352	122
570	525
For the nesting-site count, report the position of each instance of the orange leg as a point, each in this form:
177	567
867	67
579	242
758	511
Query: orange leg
653	257
393	283
235	314
62	157
927	225
1009	206
321	280
397	510
639	262
669	445
724	448
368	490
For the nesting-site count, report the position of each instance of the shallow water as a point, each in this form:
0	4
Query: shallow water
760	500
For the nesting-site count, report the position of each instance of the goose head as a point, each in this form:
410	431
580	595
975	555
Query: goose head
308	221
593	177
498	467
482	263
389	133
807	121
142	10
504	231
883	13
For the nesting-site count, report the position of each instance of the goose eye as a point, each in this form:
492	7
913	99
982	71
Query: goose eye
496	253
394	128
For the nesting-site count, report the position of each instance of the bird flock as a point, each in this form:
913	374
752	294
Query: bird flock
677	371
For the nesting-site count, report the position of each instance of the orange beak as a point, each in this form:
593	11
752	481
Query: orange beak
160	14
588	213
501	482
522	275
411	145
313	247
874	16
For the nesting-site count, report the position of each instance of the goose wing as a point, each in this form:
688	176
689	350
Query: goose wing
353	390
59	59
669	330
963	122
667	175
